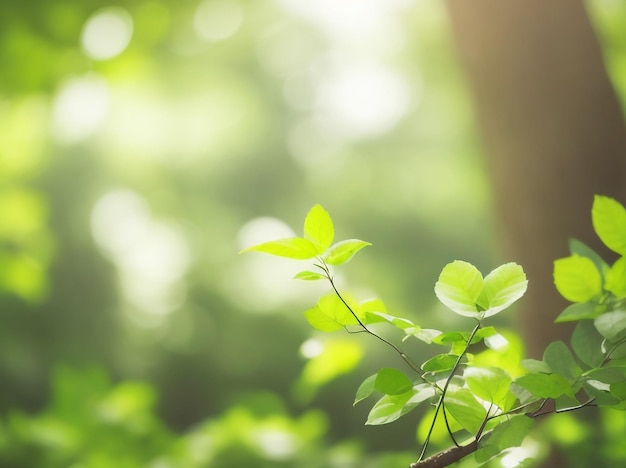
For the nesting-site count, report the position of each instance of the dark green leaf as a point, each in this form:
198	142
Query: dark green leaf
545	385
579	311
587	343
510	433
561	360
440	363
534	365
612	325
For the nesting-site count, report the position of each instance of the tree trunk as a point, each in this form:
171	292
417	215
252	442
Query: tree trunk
553	135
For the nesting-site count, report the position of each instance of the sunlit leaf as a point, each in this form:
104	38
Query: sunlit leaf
398	322
331	314
464	407
392	382
577	279
343	251
427	335
318	228
501	288
490	384
294	247
616	278
577	247
439	363
365	389
458	287
309	276
391	407
612	325
609	221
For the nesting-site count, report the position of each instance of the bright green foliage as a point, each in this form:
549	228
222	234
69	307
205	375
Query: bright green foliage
468	392
609	221
462	289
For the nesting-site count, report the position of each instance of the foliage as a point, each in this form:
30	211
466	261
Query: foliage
488	406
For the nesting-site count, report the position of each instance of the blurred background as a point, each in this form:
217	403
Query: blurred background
143	144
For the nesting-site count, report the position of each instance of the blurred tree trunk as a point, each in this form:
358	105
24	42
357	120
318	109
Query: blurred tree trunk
553	135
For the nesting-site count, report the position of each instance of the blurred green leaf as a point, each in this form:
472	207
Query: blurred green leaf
295	248
609	221
342	252
587	343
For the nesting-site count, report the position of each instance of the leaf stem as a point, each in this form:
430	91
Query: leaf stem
440	403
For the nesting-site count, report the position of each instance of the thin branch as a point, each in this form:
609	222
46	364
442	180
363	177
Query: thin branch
447	457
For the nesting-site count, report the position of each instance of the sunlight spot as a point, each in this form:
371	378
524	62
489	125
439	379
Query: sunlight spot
363	100
217	20
80	107
276	444
107	33
151	255
311	348
262	229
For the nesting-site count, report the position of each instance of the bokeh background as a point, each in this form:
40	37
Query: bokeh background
144	143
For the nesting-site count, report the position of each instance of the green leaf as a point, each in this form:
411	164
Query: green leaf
342	252
365	389
392	382
579	311
309	276
612	325
294	247
587	343
463	406
391	407
501	288
439	363
577	247
616	278
331	314
427	335
318	228
488	383
609	221
450	338
561	360
545	385
510	433
577	279
398	322
373	305
458	287
533	365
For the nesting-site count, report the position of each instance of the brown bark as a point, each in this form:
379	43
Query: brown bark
553	134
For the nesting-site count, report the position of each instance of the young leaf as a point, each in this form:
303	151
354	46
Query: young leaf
560	359
609	221
458	287
489	384
501	288
612	325
464	407
390	407
616	278
427	335
309	276
587	343
398	322
294	247
577	279
392	382
342	252
579	311
318	228
331	314
365	389
577	247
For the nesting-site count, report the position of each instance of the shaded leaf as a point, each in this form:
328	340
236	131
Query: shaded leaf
545	385
510	433
587	343
561	360
579	311
612	325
